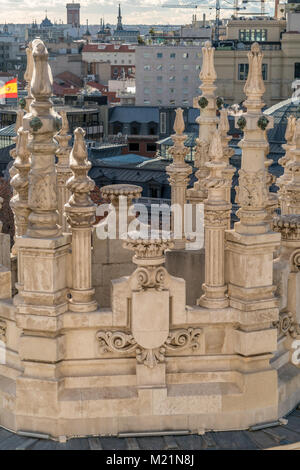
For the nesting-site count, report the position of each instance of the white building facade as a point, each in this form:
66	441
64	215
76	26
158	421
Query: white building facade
167	75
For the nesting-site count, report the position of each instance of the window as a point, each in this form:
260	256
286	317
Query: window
172	78
244	68
185	67
198	67
185	91
297	70
159	102
159	67
163	123
172	102
172	67
185	102
253	35
146	55
172	90
146	102
265	71
186	78
159	78
159	55
159	89
151	147
243	71
185	55
147	67
134	146
199	55
172	55
146	91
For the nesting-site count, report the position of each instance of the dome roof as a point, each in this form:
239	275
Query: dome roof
280	112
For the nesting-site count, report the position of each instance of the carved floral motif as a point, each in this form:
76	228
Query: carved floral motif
3	327
124	343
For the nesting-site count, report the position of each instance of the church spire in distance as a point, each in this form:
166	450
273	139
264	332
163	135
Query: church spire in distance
119	25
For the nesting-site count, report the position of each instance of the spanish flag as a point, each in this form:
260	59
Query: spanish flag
10	89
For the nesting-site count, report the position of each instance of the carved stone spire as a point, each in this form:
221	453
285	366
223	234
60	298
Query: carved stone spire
216	220
42	122
63	169
178	172
252	193
207	122
254	86
80	211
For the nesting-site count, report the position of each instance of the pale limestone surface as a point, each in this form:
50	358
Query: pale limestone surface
142	360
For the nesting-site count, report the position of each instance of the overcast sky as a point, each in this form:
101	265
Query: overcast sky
133	11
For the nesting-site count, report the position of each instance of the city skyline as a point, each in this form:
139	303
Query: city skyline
133	11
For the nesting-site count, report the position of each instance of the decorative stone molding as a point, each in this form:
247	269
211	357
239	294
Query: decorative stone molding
179	172
295	261
287	325
124	343
3	328
288	226
42	197
116	194
147	252
80	212
251	192
63	169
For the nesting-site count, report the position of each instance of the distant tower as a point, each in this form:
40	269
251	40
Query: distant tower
73	14
119	25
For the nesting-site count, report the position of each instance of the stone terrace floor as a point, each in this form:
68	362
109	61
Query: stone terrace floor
230	440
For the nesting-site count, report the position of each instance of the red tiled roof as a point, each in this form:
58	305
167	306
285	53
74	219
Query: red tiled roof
108	48
70	79
59	90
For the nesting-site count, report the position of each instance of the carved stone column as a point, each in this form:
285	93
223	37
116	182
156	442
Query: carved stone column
121	197
5	274
28	77
252	243
178	172
286	162
43	123
207	122
80	211
63	170
292	187
216	216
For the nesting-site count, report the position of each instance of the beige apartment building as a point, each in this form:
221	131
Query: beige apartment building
281	61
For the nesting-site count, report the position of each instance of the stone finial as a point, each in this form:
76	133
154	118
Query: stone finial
208	72
63	139
42	80
80	184
179	122
254	87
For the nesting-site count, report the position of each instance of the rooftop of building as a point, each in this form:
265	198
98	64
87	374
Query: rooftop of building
105	47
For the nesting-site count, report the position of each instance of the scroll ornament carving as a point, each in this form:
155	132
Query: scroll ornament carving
124	343
287	325
150	277
295	261
252	191
217	218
